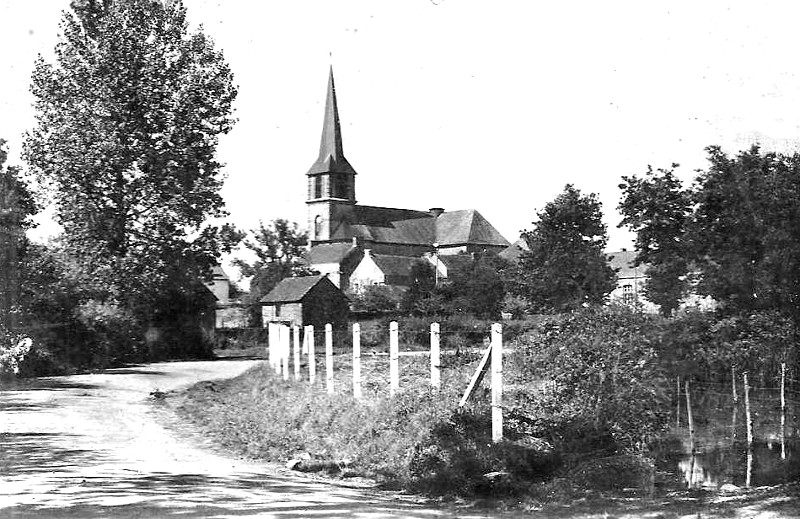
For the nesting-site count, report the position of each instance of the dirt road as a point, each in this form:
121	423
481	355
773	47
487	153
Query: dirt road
96	446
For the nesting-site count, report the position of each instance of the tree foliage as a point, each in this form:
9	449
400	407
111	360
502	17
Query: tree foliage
566	266
746	230
17	205
478	288
658	209
128	118
278	247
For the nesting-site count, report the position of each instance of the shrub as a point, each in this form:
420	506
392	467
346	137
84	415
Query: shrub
13	350
605	381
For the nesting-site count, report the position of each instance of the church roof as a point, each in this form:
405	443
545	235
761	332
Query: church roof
467	226
410	227
291	290
331	153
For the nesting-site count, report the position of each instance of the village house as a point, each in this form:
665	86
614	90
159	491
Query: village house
306	300
341	230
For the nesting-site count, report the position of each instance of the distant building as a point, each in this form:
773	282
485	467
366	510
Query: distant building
306	300
228	313
631	279
340	229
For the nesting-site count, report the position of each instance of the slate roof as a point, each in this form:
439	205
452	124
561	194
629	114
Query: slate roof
514	251
410	227
455	261
331	153
466	226
392	265
292	290
329	253
624	261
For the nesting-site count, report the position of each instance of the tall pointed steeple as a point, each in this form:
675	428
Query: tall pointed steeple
331	154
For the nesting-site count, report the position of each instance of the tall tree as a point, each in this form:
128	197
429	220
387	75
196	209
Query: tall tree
566	266
746	230
658	209
278	247
128	119
16	208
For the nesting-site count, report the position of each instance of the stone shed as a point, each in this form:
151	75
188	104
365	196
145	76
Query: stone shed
307	300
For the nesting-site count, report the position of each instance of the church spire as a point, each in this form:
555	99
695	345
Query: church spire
331	154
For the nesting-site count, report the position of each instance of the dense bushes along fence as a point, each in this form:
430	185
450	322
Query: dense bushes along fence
284	344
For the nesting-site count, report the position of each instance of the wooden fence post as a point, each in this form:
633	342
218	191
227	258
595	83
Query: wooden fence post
783	410
296	352
329	357
748	416
285	338
312	363
394	354
497	382
436	374
678	411
356	360
689	417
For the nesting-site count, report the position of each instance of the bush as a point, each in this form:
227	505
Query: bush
605	381
13	350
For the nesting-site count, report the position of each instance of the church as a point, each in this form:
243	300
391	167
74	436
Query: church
358	245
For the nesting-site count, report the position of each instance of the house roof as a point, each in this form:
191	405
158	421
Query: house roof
291	290
329	253
455	261
218	273
331	153
392	265
623	264
514	251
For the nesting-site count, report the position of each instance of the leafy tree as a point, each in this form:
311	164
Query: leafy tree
566	267
478	289
279	248
16	208
746	230
128	119
658	209
422	296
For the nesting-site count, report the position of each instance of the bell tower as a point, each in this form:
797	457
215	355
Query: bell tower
331	179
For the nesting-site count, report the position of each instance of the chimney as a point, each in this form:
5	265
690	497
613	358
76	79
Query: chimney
436	211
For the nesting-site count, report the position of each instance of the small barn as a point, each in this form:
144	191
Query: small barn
307	300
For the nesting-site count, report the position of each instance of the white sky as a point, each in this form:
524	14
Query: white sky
466	104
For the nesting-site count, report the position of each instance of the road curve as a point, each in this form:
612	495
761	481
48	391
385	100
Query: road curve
94	445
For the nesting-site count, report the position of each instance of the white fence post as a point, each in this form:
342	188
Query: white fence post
394	354
329	357
296	337
436	374
271	344
285	338
356	360
312	365
497	382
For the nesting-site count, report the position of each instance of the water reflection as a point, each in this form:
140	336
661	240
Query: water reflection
721	454
760	465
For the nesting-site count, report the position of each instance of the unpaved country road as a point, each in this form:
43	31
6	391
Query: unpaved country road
89	446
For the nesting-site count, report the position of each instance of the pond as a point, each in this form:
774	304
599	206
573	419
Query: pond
722	455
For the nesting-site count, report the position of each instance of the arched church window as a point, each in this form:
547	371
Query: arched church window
317	226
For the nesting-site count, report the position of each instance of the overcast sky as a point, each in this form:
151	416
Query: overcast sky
466	104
